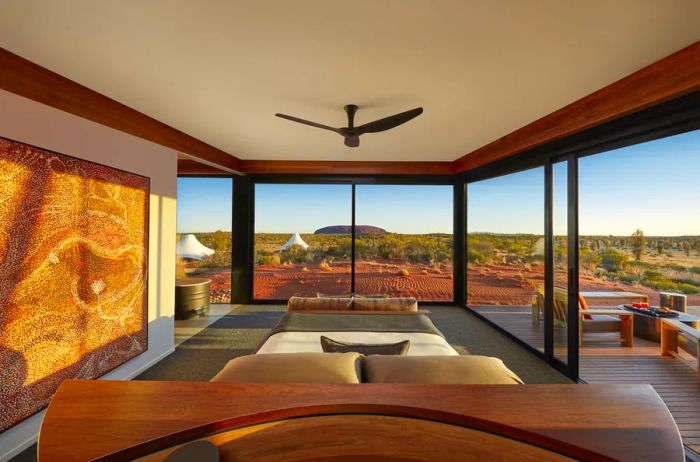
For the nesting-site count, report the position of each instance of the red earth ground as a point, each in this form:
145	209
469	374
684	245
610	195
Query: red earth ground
487	284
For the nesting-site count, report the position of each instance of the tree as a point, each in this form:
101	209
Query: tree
639	244
613	259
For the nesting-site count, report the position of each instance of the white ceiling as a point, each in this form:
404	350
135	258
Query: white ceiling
219	69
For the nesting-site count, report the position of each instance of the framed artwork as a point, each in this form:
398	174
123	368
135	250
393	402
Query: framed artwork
73	273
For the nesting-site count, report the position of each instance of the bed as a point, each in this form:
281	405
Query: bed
299	332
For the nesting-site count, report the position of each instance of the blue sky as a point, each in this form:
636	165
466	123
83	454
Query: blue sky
654	186
283	208
204	204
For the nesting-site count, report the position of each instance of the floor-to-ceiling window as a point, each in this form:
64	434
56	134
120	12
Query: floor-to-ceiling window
505	252
204	216
639	219
404	241
639	236
303	244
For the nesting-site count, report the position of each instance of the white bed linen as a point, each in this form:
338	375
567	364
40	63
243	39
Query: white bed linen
300	342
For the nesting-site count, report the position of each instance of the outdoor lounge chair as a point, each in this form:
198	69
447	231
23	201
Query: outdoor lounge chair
597	320
675	334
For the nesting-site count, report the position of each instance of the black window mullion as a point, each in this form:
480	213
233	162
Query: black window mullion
573	285
352	244
548	262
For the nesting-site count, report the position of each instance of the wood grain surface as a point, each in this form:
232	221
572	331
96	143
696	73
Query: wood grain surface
89	419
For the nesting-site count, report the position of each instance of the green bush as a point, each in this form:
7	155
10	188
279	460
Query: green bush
613	259
684	288
475	257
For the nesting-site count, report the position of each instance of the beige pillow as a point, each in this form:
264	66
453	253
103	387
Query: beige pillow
293	368
385	304
468	369
319	304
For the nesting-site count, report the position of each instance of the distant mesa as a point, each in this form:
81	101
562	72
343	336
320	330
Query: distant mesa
347	229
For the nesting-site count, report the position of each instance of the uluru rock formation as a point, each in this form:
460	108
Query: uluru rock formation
347	229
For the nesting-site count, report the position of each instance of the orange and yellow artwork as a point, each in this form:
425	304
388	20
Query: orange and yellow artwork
73	266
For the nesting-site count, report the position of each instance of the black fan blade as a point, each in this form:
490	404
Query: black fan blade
388	123
352	141
306	122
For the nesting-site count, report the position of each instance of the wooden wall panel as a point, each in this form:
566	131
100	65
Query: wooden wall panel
671	77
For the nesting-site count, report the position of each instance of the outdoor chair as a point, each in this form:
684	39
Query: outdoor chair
592	321
675	334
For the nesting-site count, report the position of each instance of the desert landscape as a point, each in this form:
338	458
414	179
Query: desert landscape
506	269
503	269
417	265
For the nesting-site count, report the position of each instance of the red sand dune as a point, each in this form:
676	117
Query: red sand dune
372	278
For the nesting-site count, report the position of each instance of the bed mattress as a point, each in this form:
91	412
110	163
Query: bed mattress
301	332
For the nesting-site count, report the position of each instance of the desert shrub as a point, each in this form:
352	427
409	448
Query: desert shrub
651	274
691	282
589	259
475	257
630	279
324	266
217	260
613	259
267	259
403	272
296	254
685	288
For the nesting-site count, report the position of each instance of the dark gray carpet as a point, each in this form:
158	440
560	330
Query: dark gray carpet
241	331
237	334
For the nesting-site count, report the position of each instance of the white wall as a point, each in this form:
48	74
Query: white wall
33	123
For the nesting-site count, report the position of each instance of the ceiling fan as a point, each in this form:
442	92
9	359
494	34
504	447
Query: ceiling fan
352	133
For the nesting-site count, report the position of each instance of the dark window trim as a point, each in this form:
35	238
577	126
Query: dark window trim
360	180
674	117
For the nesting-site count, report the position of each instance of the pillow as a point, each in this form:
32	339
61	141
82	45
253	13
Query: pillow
385	304
468	369
293	368
333	346
319	304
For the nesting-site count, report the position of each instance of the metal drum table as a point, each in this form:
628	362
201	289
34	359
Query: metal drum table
191	297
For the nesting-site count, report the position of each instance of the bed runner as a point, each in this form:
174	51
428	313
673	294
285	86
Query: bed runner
329	322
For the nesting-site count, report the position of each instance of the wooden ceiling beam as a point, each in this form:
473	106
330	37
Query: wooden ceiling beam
291	167
24	78
671	77
668	78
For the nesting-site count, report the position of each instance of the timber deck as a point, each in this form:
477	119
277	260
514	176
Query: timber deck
608	362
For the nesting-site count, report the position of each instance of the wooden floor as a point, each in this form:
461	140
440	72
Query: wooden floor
608	362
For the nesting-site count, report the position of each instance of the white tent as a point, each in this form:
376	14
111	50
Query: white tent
190	247
294	240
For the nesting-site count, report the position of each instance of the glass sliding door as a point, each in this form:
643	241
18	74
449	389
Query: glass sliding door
204	218
562	312
560	319
303	240
505	252
404	241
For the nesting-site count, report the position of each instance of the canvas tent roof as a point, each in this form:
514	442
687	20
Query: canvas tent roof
294	240
190	247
